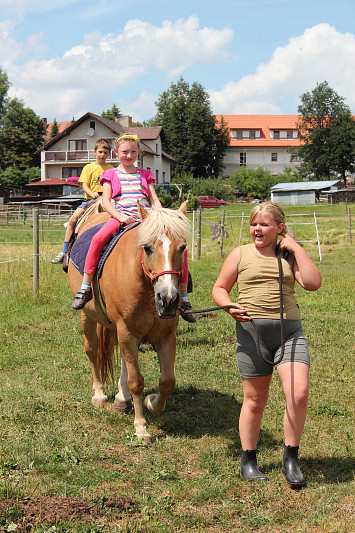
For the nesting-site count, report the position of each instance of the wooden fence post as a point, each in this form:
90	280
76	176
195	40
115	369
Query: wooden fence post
222	234
35	275
349	215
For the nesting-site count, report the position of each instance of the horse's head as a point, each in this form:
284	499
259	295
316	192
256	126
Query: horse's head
163	235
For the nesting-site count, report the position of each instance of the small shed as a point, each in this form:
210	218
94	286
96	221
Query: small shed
302	192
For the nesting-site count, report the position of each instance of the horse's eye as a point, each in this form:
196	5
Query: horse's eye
182	247
148	249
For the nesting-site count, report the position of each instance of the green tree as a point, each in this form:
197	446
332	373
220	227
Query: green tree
14	177
322	128
54	129
191	133
21	134
21	131
253	182
112	114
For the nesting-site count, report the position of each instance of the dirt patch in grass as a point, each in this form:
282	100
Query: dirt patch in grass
27	514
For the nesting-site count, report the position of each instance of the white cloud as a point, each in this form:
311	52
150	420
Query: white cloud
320	54
119	60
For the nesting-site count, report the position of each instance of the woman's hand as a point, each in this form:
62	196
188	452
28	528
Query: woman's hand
240	314
288	243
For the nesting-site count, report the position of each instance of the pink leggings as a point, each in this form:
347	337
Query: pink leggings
102	237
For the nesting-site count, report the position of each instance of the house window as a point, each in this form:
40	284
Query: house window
164	177
77	144
276	134
293	158
289	134
242	159
68	172
251	134
92	124
157	176
236	134
273	157
157	148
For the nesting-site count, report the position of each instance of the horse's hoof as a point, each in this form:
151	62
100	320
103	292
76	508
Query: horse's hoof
99	401
123	407
148	403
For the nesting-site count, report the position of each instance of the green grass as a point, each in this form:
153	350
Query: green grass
54	444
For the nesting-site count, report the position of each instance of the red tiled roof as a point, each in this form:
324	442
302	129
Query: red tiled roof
264	123
61	127
145	133
53	181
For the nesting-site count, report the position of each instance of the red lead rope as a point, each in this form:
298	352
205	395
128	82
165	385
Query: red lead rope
152	278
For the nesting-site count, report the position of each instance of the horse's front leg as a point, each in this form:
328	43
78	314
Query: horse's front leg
91	345
166	349
135	381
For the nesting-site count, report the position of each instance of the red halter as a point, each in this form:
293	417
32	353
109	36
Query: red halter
152	278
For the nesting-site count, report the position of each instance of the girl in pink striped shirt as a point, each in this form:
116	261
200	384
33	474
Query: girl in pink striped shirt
125	185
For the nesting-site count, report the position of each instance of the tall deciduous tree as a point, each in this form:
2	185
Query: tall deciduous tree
327	132
191	133
21	131
21	134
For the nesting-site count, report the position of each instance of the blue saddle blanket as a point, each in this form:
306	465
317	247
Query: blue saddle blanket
81	246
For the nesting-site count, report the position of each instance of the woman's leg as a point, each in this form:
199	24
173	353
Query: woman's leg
295	382
256	391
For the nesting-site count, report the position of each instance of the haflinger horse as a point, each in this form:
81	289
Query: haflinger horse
140	289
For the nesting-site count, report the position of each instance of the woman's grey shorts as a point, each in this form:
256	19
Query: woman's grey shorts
250	364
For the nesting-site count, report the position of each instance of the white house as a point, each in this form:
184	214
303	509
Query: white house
68	152
261	141
302	192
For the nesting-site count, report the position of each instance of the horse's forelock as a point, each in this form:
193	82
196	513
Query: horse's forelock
160	222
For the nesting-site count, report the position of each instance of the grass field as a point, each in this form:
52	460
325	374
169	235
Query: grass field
67	467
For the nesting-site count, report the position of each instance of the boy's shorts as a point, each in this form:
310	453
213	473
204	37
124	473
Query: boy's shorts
84	203
250	364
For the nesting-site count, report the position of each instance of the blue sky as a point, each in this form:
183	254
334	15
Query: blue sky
252	56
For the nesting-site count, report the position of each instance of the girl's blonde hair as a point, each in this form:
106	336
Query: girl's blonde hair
126	137
271	208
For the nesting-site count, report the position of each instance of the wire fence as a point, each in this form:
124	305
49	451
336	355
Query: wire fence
210	229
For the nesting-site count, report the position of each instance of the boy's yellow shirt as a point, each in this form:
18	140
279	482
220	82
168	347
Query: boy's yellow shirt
91	175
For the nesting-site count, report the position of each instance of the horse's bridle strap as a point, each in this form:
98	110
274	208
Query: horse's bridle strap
152	278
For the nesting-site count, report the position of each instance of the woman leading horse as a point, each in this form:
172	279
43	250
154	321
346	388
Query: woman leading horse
140	290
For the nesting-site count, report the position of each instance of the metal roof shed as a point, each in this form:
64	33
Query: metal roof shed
302	192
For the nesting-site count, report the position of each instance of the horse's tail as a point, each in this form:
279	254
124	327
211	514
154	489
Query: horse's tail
106	351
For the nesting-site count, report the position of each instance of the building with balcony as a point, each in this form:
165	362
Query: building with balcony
68	152
263	141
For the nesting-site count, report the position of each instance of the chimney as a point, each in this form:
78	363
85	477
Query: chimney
124	120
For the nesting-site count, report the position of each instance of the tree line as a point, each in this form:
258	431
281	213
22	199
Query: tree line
196	140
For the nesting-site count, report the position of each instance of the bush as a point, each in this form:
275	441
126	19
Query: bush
194	187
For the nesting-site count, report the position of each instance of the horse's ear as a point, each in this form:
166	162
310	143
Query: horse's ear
183	207
143	213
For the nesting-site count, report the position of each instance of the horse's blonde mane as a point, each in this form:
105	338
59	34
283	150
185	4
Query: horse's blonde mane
160	222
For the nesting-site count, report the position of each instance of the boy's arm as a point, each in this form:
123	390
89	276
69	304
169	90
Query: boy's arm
88	191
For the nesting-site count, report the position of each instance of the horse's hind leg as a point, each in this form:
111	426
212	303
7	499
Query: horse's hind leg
91	344
123	399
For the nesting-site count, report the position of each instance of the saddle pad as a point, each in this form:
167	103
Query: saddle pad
81	246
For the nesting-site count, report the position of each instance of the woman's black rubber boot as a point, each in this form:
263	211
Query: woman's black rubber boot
248	467
290	467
